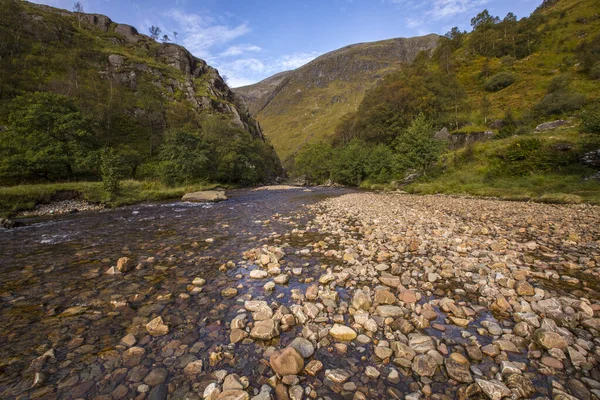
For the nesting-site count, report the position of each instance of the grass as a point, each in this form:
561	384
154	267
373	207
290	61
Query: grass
470	171
24	197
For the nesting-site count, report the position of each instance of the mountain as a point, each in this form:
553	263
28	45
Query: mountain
128	92
305	105
510	109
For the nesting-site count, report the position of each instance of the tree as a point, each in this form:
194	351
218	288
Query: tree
154	32
166	39
175	36
417	149
46	138
314	162
78	8
485	108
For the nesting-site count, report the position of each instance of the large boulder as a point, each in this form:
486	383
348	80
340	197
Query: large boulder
287	361
205	196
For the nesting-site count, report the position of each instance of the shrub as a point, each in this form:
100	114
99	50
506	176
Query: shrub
499	81
590	120
559	102
109	168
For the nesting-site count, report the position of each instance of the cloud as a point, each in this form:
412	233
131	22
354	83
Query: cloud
239	50
246	71
437	10
201	33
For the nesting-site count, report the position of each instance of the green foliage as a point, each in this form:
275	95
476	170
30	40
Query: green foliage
110	171
530	155
417	149
590	119
349	163
559	99
589	54
314	162
64	103
184	158
499	81
47	138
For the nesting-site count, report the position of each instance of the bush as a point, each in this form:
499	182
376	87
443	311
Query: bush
499	81
558	103
314	162
110	170
590	120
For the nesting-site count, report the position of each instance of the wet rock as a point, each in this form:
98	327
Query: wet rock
156	377
193	368
133	356
361	300
424	365
493	389
156	327
205	196
313	367
337	375
125	264
287	361
211	392
159	392
233	395
342	332
422	344
265	330
229	292
389	311
372	372
458	368
303	346
549	340
384	296
407	296
521	385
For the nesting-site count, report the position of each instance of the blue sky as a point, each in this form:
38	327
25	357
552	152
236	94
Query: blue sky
251	40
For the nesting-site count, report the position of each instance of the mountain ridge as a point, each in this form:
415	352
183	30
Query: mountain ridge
325	89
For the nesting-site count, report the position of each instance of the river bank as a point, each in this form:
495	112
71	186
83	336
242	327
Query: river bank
293	294
33	200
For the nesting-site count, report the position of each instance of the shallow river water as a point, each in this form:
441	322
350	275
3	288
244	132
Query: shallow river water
59	264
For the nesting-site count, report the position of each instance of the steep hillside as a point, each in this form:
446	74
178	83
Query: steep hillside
511	108
148	102
305	105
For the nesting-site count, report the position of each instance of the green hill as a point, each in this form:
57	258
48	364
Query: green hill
83	98
488	89
305	105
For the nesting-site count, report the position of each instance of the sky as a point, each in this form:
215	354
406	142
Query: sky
249	40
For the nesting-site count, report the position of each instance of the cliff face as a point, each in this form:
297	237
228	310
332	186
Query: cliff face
137	96
305	105
120	54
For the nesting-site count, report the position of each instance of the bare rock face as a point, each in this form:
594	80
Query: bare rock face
100	21
205	196
129	32
178	57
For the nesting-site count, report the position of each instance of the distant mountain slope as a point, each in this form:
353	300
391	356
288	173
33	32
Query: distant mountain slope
305	105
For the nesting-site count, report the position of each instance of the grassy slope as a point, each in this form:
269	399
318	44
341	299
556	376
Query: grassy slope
471	174
556	56
24	197
306	112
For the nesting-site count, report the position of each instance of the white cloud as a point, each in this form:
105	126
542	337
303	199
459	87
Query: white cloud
245	71
239	50
201	33
437	10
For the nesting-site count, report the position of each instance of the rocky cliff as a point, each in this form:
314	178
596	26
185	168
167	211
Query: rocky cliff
305	105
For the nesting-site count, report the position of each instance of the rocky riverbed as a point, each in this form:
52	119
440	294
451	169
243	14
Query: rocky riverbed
300	295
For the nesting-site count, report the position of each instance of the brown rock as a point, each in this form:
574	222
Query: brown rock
287	361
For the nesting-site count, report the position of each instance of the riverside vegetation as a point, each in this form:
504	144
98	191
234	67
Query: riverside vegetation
84	99
500	80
